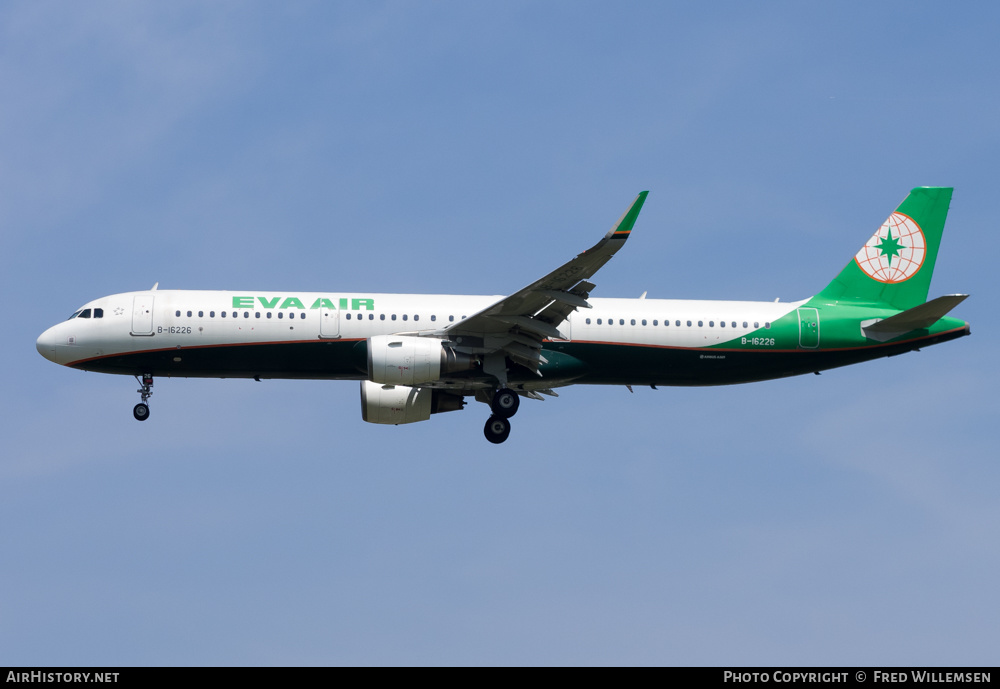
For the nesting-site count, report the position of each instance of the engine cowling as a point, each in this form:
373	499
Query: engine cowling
409	360
396	404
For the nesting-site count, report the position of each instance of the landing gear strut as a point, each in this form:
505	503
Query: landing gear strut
504	405
141	410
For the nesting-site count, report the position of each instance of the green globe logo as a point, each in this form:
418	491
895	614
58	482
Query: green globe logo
895	252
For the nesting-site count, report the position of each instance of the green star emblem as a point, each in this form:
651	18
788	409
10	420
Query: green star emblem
890	247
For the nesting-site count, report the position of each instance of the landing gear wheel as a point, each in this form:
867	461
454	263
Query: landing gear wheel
497	429
505	403
141	410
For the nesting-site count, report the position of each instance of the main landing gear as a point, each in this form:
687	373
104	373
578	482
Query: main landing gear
504	405
141	410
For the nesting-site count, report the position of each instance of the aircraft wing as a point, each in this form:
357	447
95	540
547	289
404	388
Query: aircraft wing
519	323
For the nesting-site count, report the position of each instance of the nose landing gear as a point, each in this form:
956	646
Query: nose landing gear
141	410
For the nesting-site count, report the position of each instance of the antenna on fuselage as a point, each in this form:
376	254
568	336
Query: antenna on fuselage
155	285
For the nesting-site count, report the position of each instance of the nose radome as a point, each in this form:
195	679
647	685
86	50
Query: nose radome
46	344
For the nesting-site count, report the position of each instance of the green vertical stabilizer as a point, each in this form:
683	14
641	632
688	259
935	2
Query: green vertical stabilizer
894	267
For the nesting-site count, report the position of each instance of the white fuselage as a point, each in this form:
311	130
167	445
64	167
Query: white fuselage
182	319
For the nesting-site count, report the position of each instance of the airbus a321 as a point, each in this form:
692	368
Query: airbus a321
416	355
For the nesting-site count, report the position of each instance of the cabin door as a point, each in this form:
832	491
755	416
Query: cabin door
808	328
329	323
142	314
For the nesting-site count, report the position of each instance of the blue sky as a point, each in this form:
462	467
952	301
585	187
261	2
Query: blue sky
446	147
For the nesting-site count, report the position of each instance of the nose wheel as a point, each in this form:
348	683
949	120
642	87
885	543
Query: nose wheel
141	410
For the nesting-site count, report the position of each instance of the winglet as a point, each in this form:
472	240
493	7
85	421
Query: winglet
624	225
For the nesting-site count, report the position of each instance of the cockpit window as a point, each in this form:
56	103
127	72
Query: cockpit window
86	313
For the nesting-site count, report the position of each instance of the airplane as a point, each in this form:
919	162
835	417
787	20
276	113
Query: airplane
416	355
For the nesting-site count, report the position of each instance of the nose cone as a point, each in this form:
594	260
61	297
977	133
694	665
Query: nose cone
46	344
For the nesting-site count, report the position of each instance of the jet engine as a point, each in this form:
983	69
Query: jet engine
409	360
396	404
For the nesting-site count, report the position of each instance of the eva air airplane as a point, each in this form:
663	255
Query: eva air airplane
417	355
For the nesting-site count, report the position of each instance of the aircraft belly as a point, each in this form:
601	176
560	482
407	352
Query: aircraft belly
320	359
625	364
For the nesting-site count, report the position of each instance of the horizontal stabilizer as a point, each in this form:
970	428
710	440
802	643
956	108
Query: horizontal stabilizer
917	318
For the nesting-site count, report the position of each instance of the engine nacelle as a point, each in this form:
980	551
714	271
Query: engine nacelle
396	404
409	360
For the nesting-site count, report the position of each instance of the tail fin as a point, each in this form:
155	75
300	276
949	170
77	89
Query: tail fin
894	267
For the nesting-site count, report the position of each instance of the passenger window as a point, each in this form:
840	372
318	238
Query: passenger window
280	315
656	322
678	323
644	321
451	319
701	324
256	314
599	321
689	324
405	316
433	318
222	313
371	316
711	324
381	316
588	321
756	324
722	324
734	324
393	316
416	317
348	316
201	314
189	314
269	314
178	314
745	324
246	314
633	321
211	314
621	321
767	326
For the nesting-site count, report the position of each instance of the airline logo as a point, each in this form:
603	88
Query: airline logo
354	304
895	252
